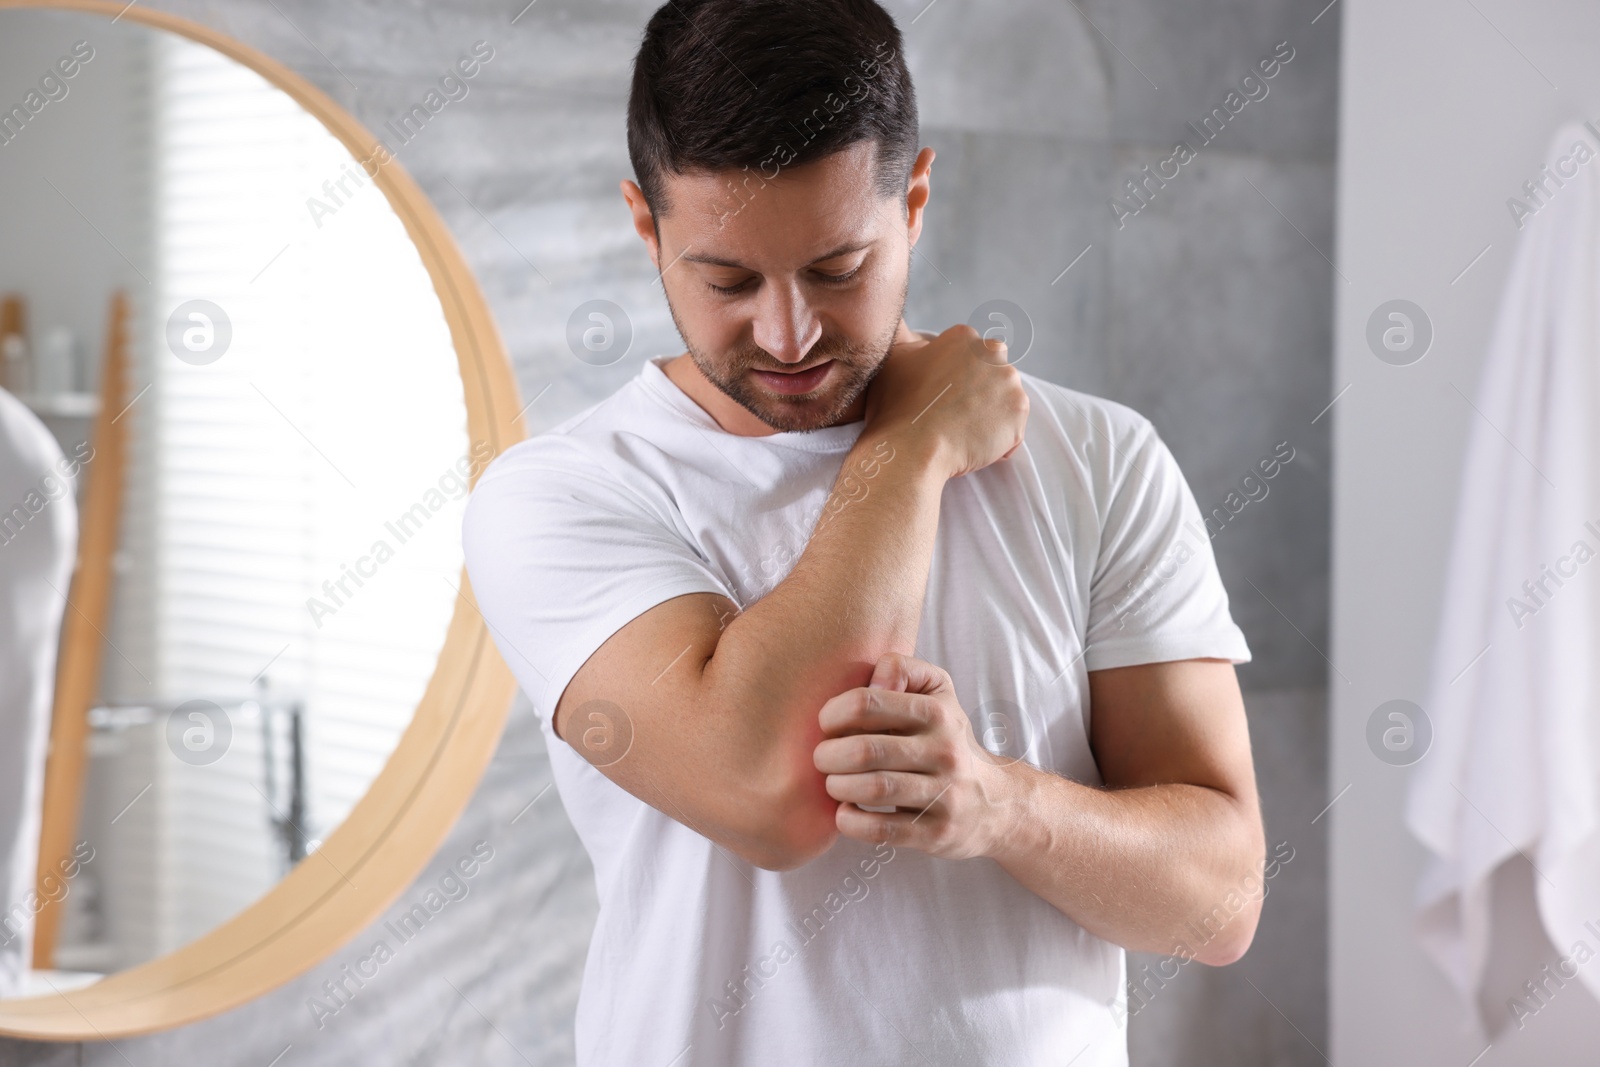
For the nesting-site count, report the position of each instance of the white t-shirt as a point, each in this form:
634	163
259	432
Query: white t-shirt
1085	550
38	540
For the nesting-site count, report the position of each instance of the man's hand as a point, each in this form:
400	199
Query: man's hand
955	392
903	740
1170	845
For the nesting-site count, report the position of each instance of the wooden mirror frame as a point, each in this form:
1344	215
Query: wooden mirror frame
395	829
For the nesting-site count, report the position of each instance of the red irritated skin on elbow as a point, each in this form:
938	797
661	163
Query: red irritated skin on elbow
802	811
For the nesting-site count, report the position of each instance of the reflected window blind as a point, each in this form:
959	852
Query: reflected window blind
304	503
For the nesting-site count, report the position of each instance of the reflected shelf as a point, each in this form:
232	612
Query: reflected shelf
63	405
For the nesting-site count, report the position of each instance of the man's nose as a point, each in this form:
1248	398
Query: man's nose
785	325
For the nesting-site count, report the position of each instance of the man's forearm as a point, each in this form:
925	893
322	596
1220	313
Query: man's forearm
1175	869
855	592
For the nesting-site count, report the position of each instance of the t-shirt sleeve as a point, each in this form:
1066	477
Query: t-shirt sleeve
1156	594
562	554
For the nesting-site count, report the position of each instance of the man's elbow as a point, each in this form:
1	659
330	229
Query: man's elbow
1241	901
1233	940
1231	951
796	824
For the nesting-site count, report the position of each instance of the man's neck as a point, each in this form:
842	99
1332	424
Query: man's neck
733	416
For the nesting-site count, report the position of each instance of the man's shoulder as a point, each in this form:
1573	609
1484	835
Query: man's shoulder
587	466
582	441
1082	421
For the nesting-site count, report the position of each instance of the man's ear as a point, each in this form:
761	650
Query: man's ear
644	223
918	192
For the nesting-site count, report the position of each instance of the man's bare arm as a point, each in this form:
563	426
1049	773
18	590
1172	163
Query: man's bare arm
721	708
1168	857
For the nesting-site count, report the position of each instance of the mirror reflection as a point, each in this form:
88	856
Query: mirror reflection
246	418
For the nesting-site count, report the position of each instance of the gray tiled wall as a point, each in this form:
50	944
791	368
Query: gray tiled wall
1209	311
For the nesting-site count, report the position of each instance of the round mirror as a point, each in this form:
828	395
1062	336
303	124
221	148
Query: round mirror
269	382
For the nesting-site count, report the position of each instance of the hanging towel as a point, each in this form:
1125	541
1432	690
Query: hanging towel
38	540
1513	694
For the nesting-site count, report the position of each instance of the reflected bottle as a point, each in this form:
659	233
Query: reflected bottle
56	369
15	366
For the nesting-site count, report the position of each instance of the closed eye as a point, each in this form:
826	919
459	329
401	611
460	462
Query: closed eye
826	279
838	279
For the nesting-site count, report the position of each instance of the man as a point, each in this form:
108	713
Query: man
889	688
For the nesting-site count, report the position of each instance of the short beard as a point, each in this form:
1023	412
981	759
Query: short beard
859	366
855	371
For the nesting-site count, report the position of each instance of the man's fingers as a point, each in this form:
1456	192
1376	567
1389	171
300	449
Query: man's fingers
909	346
913	829
907	674
889	673
858	753
875	711
902	789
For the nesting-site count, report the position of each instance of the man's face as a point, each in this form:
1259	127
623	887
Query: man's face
788	293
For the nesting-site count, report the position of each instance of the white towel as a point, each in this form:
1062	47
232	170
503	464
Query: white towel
1515	763
38	540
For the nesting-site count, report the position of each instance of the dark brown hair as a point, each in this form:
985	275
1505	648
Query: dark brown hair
763	85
